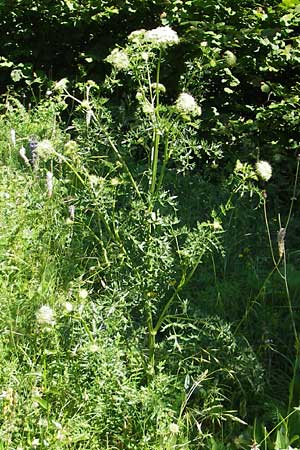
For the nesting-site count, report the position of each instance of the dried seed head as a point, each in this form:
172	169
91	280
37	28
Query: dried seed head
33	154
280	240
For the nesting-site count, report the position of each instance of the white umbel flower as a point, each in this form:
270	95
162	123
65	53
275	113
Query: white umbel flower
174	428
137	35
263	170
118	59
186	104
45	149
162	36
45	316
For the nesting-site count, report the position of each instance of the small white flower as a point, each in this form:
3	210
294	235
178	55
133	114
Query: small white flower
118	59
94	348
69	307
174	428
186	104
35	442
263	170
4	394
158	86
49	182
83	294
45	316
61	85
162	36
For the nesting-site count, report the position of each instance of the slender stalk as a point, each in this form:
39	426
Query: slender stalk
294	194
183	281
154	153
123	162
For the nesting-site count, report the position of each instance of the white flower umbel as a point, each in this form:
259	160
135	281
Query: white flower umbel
118	59
137	35
61	85
186	104
174	428
263	170
45	316
162	36
158	86
45	149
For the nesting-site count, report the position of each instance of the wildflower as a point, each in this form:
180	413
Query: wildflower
45	316
263	170
186	104
22	153
174	428
158	86
93	348
230	58
49	181
70	147
13	137
115	181
145	56
61	85
137	35
35	442
45	149
118	59
68	307
162	36
83	294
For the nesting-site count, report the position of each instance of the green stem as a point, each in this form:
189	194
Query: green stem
294	194
123	162
183	281
156	138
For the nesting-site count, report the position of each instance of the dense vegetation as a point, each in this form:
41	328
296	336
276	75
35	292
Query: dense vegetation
149	224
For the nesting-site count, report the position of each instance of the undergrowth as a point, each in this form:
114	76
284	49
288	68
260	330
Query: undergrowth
141	307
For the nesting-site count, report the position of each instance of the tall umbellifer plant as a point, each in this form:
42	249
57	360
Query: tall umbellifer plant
149	248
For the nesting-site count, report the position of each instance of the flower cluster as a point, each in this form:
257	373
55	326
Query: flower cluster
186	104
118	59
162	36
263	170
45	149
45	316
